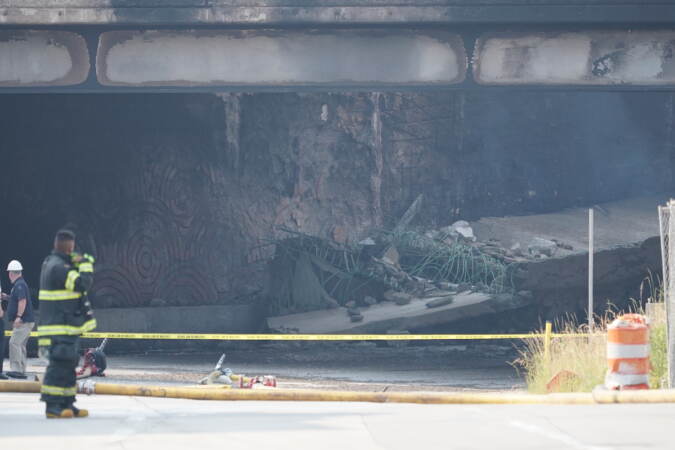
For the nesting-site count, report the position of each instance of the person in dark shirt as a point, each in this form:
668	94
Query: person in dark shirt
20	316
3	307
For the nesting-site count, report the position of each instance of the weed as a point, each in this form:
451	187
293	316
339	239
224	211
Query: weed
585	356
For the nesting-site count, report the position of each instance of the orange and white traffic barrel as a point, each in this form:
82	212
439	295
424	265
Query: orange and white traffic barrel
628	353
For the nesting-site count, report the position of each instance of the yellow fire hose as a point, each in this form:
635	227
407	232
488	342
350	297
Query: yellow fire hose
194	393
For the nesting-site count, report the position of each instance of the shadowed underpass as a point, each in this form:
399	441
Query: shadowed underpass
336	166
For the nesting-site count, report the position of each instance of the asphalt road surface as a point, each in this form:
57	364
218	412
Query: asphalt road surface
153	423
362	367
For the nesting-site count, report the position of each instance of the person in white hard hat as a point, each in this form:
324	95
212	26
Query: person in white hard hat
20	316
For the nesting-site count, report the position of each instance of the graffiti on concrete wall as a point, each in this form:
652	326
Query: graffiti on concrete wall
178	194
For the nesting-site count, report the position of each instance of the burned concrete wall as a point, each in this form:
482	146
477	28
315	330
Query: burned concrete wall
175	194
510	153
179	194
132	175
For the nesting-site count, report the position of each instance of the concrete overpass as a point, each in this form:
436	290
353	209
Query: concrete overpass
488	108
333	12
120	45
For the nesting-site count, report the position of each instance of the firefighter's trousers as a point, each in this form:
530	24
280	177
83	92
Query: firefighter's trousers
60	383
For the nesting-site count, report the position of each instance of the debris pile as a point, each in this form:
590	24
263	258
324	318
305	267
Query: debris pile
403	272
408	277
309	273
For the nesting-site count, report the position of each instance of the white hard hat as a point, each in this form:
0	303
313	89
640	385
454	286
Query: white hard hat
14	266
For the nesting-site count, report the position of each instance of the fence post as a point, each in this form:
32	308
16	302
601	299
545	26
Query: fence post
669	288
590	270
667	231
547	342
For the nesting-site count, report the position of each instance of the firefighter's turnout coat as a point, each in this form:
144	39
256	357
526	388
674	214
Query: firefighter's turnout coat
65	313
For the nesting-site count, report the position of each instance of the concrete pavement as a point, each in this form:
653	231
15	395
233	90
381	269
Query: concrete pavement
150	423
449	367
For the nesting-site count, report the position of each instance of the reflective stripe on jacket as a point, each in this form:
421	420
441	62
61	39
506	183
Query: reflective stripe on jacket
64	307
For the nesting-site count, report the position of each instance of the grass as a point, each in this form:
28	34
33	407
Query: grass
586	356
658	377
583	356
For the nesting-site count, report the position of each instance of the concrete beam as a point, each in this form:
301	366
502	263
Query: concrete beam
329	12
581	58
42	58
279	58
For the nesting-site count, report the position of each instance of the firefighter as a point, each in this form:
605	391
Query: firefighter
65	313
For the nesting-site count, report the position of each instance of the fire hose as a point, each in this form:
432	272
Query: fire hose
90	387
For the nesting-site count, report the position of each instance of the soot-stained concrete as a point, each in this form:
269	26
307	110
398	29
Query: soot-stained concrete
321	12
179	195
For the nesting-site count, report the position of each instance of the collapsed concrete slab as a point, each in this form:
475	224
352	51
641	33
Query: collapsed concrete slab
626	252
618	224
386	316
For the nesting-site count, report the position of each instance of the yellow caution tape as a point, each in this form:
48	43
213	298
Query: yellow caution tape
318	337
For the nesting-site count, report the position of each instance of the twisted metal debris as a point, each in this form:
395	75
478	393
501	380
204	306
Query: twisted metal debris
310	273
435	260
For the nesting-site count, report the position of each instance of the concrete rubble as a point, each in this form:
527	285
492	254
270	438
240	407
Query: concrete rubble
416	279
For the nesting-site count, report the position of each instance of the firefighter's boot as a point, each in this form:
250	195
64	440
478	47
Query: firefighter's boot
57	411
79	413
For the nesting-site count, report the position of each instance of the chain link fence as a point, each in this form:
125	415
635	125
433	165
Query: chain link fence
667	231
